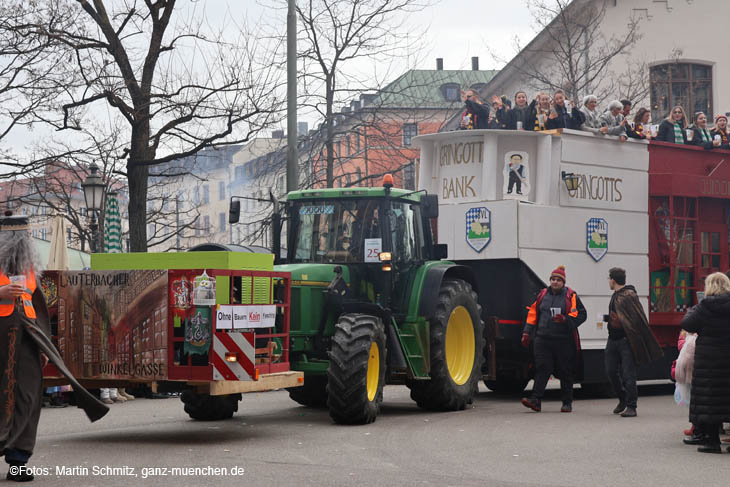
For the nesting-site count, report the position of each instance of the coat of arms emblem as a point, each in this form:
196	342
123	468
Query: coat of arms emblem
478	228
597	238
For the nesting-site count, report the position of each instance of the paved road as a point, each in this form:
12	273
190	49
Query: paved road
276	442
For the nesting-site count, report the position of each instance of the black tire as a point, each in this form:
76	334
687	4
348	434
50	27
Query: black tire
205	407
347	375
313	393
506	385
441	392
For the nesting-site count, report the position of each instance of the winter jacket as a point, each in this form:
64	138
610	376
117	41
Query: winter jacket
479	114
565	120
509	117
710	396
532	117
680	343
638	132
666	132
591	121
540	320
724	138
613	123
697	139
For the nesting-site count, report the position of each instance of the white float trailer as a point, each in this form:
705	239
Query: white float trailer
512	241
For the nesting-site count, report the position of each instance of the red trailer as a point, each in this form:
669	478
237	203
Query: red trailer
209	333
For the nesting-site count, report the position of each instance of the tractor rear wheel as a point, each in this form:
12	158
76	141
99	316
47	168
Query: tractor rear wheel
205	407
457	344
356	372
313	393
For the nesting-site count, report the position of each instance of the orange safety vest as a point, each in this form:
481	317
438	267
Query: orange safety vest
8	306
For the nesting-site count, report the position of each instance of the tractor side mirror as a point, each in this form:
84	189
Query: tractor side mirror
234	211
440	251
430	206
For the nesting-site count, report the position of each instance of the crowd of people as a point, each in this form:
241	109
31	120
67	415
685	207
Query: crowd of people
702	371
557	112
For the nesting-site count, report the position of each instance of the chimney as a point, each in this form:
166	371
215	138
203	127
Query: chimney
439	64
475	63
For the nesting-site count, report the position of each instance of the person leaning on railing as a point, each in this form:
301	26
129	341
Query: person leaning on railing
514	118
701	136
639	129
673	129
614	121
591	117
720	133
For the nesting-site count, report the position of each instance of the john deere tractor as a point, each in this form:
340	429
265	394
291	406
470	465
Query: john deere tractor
374	304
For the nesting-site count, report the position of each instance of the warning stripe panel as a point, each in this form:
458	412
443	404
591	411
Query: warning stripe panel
240	344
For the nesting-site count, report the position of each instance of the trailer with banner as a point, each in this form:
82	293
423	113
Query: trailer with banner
212	325
515	204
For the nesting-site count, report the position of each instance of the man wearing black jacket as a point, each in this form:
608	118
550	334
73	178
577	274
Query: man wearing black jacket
475	114
630	342
553	321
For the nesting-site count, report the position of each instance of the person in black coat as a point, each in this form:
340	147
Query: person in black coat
475	114
639	129
701	136
562	117
518	113
673	128
710	393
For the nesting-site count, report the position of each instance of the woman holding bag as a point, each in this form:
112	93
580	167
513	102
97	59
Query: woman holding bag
710	396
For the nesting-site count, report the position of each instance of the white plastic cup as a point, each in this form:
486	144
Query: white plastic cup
689	133
718	138
519	126
19	280
568	106
555	311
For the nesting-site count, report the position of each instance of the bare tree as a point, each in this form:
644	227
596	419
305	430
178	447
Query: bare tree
574	54
178	85
335	34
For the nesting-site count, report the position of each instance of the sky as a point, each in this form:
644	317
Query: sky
454	30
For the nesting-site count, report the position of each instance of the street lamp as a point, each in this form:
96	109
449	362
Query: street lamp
571	180
93	187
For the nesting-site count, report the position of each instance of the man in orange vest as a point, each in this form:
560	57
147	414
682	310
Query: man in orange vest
553	322
25	348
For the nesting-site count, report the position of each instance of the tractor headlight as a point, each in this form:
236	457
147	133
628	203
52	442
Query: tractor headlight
385	256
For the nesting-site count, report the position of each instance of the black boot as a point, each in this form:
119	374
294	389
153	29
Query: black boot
619	407
695	439
713	448
18	472
532	403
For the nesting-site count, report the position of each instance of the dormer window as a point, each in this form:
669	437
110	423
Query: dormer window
451	91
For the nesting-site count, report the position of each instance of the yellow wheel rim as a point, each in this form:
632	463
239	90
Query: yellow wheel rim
460	345
373	371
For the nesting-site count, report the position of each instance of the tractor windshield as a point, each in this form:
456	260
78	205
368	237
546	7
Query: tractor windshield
341	231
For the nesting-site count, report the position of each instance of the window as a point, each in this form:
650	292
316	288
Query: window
347	145
44	233
206	194
196	195
197	227
409	176
357	142
451	91
683	84
239	173
410	130
222	189
206	224
222	222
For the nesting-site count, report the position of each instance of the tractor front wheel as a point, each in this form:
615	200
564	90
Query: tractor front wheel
356	372
457	343
205	407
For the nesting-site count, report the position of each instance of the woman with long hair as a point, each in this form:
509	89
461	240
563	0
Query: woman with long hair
640	127
710	393
673	128
701	135
519	112
539	114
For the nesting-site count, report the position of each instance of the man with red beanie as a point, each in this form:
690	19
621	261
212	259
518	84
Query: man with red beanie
553	322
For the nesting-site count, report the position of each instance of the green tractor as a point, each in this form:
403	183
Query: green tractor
373	303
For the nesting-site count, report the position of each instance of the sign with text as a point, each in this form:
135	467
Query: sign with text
600	187
236	317
460	167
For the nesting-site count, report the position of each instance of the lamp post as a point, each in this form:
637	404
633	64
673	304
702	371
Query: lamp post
571	180
93	187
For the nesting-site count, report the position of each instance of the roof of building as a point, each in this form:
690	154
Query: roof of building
424	88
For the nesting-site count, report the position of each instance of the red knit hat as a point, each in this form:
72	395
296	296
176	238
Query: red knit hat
718	117
559	272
